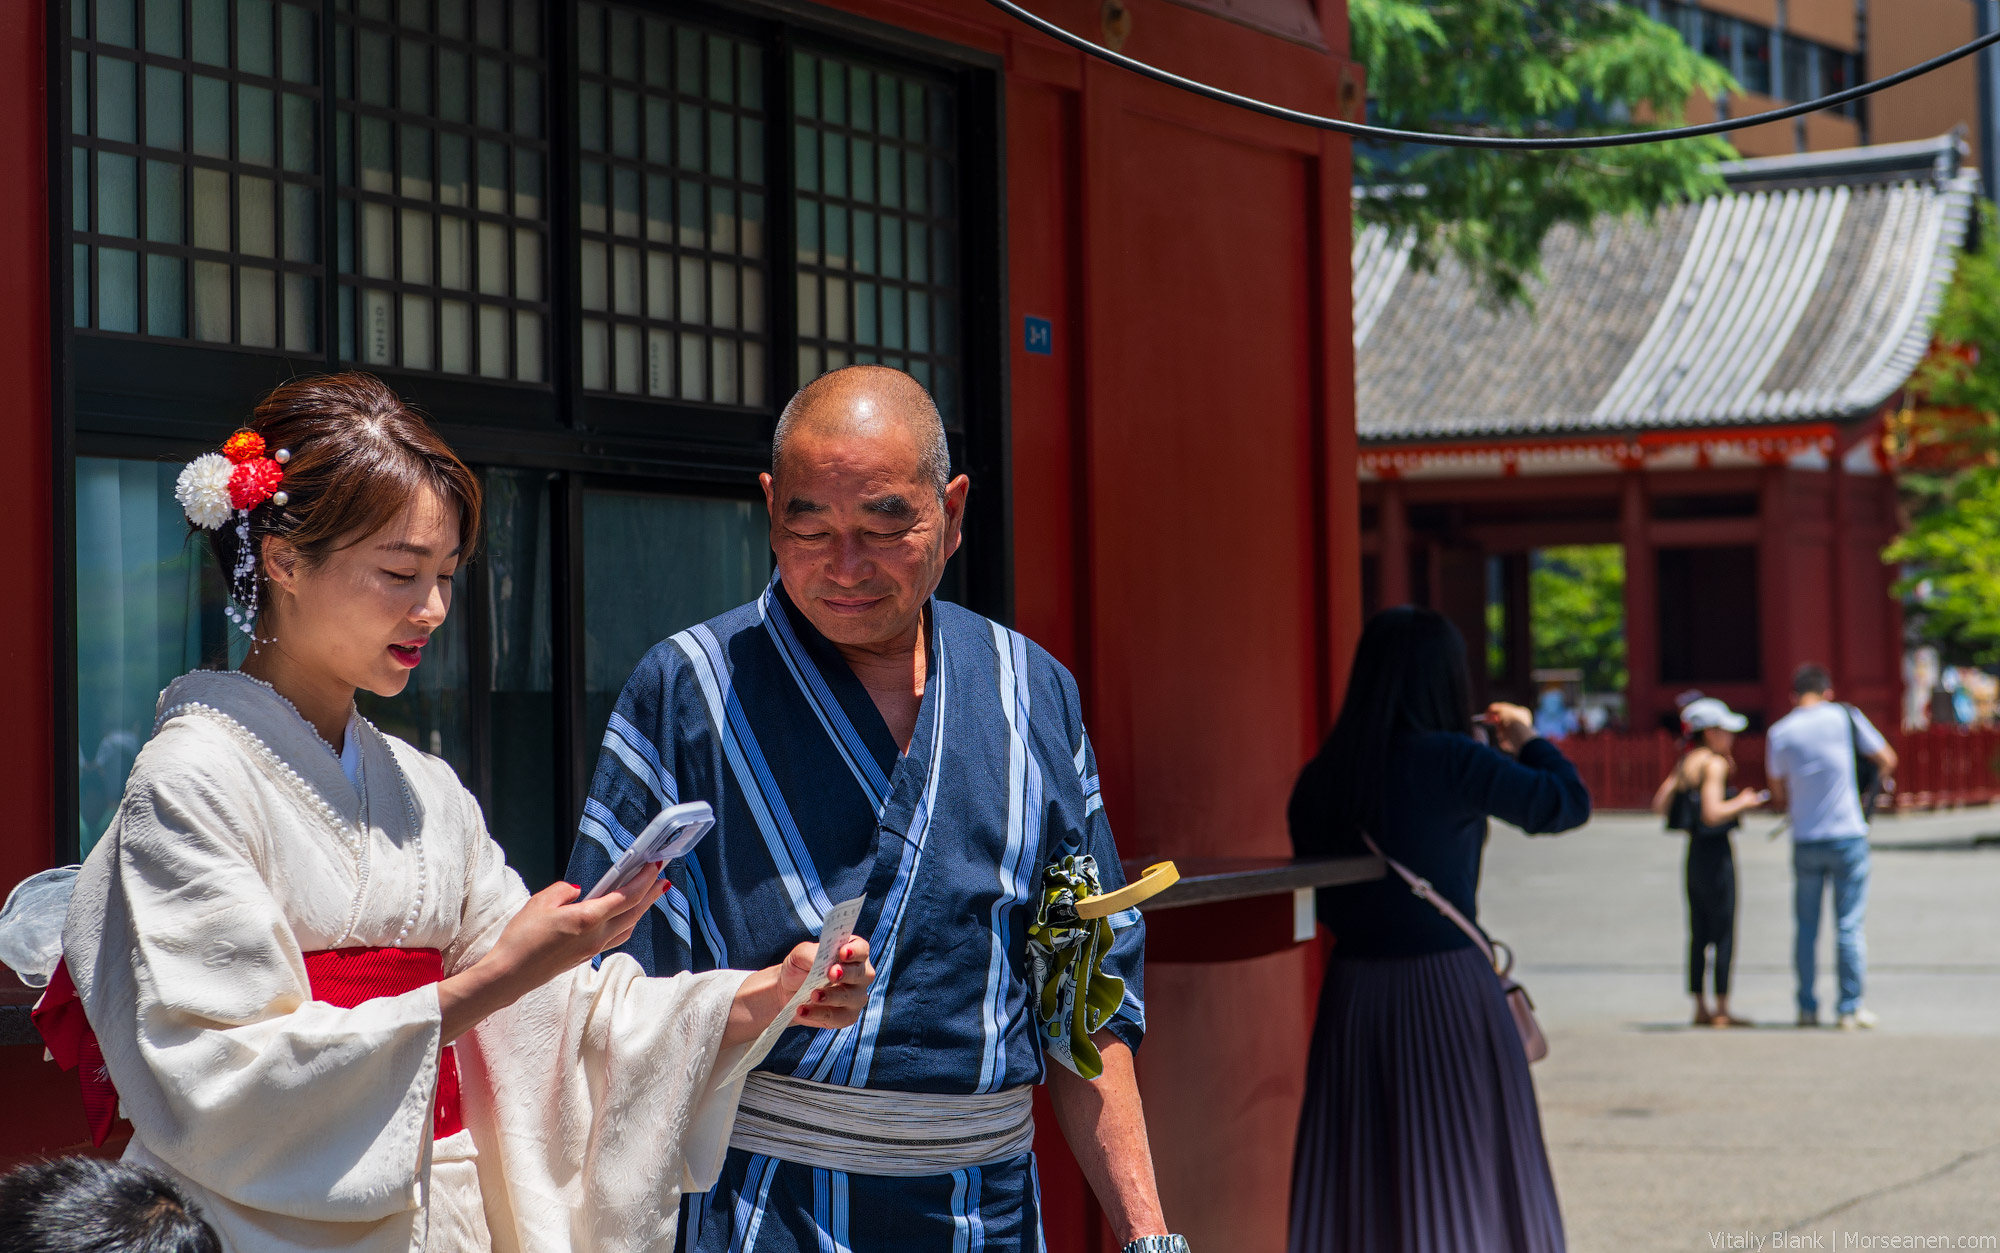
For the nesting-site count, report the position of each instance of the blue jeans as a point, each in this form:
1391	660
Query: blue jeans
1844	862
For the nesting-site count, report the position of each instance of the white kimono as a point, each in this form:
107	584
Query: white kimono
240	846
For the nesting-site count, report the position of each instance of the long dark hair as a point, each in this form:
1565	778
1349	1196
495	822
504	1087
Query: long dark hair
1409	676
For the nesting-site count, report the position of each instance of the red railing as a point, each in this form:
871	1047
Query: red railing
1938	768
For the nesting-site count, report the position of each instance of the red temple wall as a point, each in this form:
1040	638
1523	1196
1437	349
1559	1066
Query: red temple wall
1822	594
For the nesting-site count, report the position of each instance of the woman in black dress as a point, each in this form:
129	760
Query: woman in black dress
1419	1131
1695	799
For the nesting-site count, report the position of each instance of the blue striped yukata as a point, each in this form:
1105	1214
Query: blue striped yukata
757	713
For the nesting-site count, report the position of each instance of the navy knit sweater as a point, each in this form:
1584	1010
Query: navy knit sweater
1439	791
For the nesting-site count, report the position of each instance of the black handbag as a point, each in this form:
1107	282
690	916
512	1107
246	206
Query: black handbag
1867	775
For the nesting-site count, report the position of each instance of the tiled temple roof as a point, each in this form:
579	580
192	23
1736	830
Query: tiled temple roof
1805	292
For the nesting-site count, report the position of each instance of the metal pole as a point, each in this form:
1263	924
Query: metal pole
1983	11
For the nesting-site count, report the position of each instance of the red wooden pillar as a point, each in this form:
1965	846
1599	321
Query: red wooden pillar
1774	592
1393	561
1642	604
43	1112
1837	635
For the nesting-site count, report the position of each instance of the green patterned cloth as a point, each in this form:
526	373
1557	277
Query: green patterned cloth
1074	998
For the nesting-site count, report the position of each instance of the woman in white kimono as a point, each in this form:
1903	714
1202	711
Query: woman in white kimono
327	1005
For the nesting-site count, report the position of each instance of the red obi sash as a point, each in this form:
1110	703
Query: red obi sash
339	976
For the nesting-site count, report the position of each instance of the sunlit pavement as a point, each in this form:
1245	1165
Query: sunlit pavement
1668	1137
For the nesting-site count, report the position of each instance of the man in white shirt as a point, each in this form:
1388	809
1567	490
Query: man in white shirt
1811	759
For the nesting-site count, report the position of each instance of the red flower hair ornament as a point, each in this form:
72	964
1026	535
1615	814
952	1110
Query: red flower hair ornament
237	479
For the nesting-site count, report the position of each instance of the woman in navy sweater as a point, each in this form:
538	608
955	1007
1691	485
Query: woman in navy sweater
1419	1130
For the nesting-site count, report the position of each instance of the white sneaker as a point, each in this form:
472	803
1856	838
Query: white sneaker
1859	1020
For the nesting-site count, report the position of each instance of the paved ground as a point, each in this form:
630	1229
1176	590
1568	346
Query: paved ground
1669	1138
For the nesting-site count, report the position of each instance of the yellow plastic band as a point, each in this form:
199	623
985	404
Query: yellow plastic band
1157	879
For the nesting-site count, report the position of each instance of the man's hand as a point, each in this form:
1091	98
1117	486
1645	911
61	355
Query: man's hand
1106	1130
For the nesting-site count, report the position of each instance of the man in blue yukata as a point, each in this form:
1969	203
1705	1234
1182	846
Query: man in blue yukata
859	737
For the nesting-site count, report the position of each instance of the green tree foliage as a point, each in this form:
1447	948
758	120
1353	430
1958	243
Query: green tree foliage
1523	67
1950	553
1576	612
1951	567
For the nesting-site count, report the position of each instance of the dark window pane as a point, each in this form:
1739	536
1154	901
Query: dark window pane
117	100
117	194
749	76
372	67
519	685
590	39
590	127
527	102
254	36
301	135
624	44
79	259
624	123
490	23
452	103
164	108
79	93
301	50
166	296
148	609
721	69
256	136
211	31
117	290
114	22
164	204
211	117
527	184
413	90
492	94
163	27
1756	58
301	223
79	191
527	27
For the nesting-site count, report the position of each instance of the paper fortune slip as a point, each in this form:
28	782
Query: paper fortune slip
837	930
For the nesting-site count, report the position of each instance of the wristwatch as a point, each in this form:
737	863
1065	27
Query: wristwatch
1158	1244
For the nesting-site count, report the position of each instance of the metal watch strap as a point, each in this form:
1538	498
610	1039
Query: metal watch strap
1158	1244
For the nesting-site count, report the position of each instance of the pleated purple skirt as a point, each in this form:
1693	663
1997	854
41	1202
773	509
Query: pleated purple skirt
1419	1132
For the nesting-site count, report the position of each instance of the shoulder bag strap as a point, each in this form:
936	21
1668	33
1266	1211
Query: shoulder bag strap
1423	890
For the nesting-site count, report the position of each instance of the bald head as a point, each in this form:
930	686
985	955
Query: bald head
864	401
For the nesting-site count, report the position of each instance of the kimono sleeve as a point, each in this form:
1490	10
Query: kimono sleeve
1079	825
633	782
592	1099
197	990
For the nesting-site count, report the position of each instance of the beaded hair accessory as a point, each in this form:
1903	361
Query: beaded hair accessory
218	485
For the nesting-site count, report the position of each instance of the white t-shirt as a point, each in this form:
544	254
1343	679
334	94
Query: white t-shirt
1812	750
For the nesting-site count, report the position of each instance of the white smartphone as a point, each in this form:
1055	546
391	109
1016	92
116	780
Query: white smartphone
668	836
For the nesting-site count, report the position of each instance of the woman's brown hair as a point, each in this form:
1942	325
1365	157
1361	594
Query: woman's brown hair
359	455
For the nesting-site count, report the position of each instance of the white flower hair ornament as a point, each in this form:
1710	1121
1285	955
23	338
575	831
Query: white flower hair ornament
234	481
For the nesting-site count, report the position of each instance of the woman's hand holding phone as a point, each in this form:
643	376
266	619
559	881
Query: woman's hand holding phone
1510	725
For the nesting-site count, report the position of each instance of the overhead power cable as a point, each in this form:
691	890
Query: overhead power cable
1387	134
